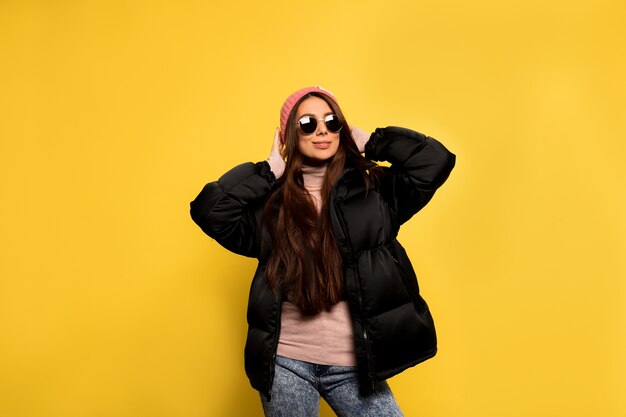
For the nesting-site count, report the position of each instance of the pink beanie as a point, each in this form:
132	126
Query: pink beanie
291	101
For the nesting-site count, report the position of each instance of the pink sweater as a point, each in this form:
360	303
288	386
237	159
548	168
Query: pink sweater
327	337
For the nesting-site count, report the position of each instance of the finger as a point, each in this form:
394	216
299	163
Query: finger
282	149
278	137
276	142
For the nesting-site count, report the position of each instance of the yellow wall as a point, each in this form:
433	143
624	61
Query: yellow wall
113	115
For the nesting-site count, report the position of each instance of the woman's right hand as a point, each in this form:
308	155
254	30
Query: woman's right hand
276	158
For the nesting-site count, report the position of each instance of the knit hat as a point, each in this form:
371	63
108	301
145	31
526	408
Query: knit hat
291	101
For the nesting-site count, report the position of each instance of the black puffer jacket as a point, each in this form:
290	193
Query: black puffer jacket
393	327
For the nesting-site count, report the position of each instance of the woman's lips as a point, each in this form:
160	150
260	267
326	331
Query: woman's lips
321	145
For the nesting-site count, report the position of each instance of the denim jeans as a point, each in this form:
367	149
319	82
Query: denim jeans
298	386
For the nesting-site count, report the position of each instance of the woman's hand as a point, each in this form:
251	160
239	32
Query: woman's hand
360	137
276	158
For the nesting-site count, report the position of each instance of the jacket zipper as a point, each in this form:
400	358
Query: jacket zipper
370	365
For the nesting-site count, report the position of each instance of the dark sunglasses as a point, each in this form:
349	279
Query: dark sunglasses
308	124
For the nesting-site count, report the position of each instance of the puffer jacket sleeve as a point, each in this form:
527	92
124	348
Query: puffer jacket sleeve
419	165
224	209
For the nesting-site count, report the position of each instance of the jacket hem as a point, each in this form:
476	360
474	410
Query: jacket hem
388	373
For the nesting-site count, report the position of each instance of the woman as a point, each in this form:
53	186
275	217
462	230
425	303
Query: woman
334	305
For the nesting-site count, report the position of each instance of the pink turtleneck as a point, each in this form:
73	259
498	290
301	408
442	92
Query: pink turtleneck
325	338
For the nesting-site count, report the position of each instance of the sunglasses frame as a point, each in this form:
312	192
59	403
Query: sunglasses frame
317	121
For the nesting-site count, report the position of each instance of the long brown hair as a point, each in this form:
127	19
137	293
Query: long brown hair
305	263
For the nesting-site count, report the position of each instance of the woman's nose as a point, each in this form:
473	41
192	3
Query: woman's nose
321	128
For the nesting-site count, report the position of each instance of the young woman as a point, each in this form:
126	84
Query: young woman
334	305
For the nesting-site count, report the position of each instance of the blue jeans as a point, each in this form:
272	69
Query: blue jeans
298	386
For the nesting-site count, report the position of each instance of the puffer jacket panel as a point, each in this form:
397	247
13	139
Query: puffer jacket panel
261	302
382	286
400	338
419	165
225	209
263	323
376	224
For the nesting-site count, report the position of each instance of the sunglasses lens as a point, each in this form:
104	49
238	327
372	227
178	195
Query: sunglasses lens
332	123
307	124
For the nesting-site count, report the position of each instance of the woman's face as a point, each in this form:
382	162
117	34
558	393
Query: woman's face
321	145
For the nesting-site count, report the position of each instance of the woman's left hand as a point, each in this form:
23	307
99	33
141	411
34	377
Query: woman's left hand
360	137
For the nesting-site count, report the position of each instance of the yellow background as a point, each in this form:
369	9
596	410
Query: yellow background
113	115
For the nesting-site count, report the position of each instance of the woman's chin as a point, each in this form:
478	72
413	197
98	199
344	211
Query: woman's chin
316	160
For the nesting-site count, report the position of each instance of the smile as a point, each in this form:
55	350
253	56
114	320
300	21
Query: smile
322	144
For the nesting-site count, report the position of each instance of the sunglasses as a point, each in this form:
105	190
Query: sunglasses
308	124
